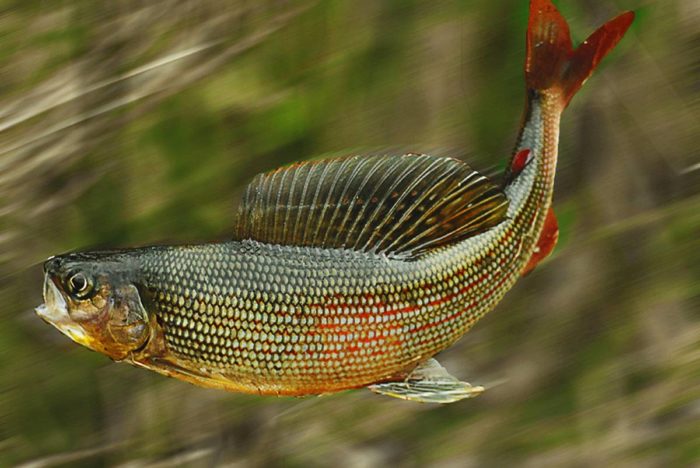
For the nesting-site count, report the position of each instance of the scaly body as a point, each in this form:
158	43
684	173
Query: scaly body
344	273
303	320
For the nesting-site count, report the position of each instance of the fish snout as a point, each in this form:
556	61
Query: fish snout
54	311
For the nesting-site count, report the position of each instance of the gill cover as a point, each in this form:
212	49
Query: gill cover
128	321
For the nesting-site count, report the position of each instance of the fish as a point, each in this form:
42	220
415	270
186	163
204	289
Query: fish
342	273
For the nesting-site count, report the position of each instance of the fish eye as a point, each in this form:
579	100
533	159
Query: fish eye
79	285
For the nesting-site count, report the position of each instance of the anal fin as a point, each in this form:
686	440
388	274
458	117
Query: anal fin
546	242
428	383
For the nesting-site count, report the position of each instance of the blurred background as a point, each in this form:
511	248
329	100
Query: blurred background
125	123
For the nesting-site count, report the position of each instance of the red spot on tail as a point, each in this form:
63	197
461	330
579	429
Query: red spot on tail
520	160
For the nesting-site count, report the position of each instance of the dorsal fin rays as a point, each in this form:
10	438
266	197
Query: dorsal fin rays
351	230
428	234
382	202
367	218
323	227
313	220
291	199
263	199
431	209
346	194
307	180
364	203
392	233
474	223
459	212
372	241
398	206
260	196
283	197
425	174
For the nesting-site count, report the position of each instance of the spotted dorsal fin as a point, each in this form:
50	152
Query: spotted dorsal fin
396	205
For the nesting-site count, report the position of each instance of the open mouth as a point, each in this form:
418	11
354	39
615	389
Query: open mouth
55	311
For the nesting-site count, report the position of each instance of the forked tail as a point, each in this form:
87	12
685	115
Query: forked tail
552	63
554	71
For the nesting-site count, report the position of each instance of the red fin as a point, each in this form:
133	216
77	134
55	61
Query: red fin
546	242
551	61
520	160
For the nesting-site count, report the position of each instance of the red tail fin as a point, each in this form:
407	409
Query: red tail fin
551	61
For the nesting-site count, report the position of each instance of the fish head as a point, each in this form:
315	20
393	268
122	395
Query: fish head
92	299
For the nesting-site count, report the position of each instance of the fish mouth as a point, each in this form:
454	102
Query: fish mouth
55	312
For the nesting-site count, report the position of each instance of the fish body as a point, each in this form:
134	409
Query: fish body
343	273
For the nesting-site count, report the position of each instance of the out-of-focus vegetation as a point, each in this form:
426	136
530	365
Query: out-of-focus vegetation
125	123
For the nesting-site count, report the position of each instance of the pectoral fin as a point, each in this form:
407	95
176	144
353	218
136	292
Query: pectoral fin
428	383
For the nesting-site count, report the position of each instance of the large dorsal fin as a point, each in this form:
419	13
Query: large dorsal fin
396	205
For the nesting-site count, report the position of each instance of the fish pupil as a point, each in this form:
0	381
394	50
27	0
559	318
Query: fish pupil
79	284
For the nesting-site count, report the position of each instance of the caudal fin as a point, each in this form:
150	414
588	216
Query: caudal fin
552	63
